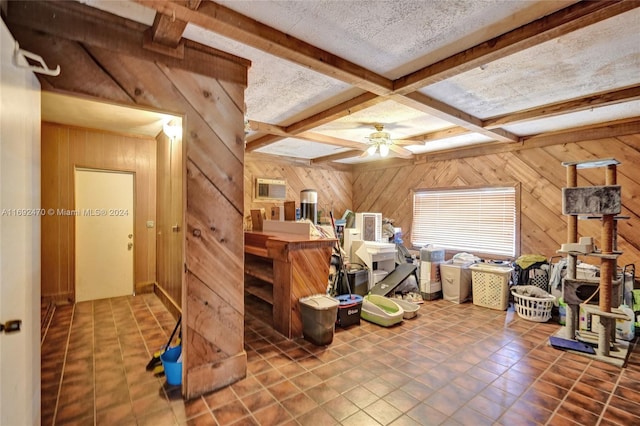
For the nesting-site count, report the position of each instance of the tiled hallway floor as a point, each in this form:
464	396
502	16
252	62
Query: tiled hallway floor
452	365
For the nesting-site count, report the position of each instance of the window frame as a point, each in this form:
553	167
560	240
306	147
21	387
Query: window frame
517	240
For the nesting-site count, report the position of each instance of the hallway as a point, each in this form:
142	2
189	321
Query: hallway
453	365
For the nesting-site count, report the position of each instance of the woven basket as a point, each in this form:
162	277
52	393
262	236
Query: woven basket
537	309
490	286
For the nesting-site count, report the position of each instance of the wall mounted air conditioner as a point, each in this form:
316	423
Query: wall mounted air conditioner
270	189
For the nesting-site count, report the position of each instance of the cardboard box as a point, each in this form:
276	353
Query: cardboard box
277	213
289	210
258	216
428	254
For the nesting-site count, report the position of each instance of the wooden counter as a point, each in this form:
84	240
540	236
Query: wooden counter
281	268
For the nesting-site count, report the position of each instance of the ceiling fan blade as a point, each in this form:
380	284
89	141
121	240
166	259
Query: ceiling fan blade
364	154
406	142
400	151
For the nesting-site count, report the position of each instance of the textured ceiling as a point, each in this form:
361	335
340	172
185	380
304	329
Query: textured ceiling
392	39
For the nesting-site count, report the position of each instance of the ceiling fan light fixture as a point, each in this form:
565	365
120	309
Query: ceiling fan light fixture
371	150
384	150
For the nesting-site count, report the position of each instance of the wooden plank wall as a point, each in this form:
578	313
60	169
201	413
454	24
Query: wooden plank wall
90	46
169	215
64	148
540	175
333	184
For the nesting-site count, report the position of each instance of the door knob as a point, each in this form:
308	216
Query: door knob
130	246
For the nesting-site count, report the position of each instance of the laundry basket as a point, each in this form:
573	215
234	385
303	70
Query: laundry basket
532	303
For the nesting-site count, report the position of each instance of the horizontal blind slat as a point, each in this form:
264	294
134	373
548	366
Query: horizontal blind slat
480	220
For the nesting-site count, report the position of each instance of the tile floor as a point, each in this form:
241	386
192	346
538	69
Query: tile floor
452	365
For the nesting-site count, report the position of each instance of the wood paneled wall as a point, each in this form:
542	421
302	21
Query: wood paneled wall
170	219
104	57
63	149
333	183
541	176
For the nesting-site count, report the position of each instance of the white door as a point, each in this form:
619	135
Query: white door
104	234
19	238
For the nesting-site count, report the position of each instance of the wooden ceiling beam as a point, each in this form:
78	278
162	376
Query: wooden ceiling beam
444	134
222	20
274	130
562	22
343	109
597	100
168	30
335	157
576	134
431	106
91	27
330	140
229	23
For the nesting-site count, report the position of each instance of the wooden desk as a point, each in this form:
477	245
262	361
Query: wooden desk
281	268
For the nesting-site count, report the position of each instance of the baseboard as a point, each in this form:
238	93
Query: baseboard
145	287
167	300
59	299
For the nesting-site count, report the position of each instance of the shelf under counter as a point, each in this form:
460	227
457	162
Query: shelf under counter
281	268
259	288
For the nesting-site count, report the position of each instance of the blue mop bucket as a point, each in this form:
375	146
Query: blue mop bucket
172	368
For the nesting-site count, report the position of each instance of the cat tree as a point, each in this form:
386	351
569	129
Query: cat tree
602	203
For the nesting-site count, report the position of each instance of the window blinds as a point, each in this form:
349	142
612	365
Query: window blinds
470	220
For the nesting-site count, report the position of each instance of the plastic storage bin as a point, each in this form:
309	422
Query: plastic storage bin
349	310
456	281
490	286
319	313
359	281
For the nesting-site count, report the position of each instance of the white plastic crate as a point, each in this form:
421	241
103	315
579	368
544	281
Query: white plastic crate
490	286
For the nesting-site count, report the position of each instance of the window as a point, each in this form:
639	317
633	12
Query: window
479	220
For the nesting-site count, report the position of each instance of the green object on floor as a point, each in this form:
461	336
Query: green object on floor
636	305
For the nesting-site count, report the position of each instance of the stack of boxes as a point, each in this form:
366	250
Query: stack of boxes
430	282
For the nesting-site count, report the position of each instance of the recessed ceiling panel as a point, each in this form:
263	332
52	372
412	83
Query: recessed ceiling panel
577	119
393	38
399	121
603	56
298	148
277	89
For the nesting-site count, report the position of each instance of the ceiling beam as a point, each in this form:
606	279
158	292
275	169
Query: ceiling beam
222	20
343	109
335	157
229	23
167	30
274	130
597	100
576	134
562	22
443	134
91	27
431	106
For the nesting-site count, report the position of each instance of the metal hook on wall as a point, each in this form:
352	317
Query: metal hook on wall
42	69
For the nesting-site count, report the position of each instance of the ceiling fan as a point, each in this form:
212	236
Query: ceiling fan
381	142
